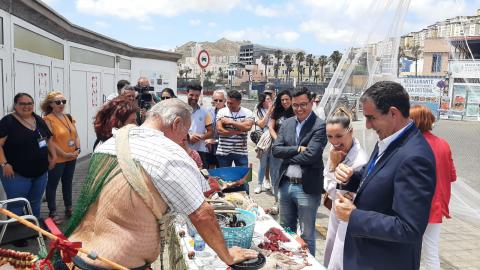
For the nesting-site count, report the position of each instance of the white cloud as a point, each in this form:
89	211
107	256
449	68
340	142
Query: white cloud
142	9
325	32
212	24
288	36
194	22
264	11
247	34
102	24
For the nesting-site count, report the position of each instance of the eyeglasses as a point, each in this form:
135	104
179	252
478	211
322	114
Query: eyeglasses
301	105
218	100
163	98
58	102
25	103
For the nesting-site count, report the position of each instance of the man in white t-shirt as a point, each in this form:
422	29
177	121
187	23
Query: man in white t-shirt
201	127
233	124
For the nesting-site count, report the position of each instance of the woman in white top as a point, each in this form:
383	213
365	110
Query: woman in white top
344	149
262	113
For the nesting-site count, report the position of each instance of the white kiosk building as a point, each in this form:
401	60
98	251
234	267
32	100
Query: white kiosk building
41	51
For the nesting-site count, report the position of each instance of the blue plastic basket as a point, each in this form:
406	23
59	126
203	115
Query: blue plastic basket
240	236
229	174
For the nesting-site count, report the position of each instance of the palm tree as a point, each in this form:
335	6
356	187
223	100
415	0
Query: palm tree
187	70
288	65
220	75
278	54
266	60
310	60
322	62
299	57
416	51
315	70
335	58
208	75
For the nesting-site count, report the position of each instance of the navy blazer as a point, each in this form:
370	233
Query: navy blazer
393	205
313	136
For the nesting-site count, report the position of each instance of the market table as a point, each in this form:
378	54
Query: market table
208	260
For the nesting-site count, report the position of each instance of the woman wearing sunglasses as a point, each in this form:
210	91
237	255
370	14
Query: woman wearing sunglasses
344	149
67	146
26	153
167	93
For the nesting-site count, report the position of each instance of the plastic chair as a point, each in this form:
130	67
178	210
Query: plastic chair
29	216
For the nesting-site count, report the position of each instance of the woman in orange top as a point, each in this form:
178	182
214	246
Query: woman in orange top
67	144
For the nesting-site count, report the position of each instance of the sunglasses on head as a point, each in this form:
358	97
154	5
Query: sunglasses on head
58	102
163	98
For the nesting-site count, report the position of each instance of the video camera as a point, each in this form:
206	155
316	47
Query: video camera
145	99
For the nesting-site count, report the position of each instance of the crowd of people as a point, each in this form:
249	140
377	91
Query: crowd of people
381	207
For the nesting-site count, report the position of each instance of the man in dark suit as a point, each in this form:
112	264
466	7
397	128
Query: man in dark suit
300	144
389	213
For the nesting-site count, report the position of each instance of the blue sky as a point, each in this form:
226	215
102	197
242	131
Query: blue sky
315	26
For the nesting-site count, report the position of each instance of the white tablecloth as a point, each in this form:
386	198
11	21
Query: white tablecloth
208	260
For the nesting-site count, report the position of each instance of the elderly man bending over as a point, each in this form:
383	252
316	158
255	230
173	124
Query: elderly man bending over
137	180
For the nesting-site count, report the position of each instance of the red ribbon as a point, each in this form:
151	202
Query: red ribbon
67	249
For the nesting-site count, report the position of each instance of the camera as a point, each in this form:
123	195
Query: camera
145	99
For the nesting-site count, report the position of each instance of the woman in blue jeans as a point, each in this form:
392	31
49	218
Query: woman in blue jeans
262	116
26	153
67	146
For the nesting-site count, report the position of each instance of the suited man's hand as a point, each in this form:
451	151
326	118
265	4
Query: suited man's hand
302	148
343	207
343	173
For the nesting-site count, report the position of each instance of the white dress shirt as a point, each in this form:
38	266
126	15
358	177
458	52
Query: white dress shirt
294	170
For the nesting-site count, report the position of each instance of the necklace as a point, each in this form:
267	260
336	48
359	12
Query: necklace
27	124
65	124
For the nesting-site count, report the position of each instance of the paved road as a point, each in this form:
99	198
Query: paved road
460	236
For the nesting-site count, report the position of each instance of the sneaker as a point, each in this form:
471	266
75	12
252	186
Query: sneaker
257	190
267	185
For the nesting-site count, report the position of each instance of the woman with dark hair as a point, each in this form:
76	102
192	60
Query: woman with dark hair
281	111
26	154
117	113
167	93
67	145
446	174
262	116
344	149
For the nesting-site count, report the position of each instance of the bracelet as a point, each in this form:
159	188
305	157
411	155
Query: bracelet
4	164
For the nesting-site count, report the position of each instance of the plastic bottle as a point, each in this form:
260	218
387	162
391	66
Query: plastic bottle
199	244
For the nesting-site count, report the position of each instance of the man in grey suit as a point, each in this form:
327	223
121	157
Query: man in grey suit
300	144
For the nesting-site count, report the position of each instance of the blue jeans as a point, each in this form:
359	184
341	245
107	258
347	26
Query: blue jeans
297	205
29	188
240	161
264	162
65	172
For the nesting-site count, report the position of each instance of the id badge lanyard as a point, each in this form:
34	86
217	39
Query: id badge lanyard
42	142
